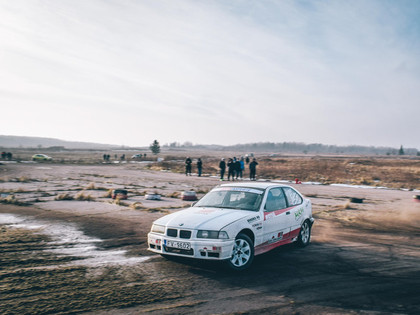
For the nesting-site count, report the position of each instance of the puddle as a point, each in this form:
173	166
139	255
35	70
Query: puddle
68	240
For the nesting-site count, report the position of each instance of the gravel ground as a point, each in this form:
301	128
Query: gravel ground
89	256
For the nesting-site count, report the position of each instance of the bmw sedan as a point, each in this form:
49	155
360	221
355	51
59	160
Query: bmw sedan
235	222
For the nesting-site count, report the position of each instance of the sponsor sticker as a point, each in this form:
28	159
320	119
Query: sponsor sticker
298	213
251	190
253	219
276	238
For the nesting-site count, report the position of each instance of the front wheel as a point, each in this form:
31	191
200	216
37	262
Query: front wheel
304	234
242	253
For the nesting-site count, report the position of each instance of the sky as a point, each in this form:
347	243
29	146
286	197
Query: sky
128	72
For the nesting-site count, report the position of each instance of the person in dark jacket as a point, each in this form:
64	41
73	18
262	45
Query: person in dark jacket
188	163
238	169
253	169
199	166
231	169
222	166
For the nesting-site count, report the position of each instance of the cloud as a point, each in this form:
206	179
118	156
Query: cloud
211	71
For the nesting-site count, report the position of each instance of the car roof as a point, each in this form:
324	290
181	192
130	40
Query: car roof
260	185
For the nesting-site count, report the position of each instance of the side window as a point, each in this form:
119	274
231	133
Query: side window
293	198
275	200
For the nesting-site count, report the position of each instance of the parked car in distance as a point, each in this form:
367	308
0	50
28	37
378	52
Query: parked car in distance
119	194
41	157
136	156
235	222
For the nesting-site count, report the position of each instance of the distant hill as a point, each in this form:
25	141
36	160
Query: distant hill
274	148
38	142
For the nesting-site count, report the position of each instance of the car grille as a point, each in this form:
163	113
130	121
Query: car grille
185	234
172	232
189	252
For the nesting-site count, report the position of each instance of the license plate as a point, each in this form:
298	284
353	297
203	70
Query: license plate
176	244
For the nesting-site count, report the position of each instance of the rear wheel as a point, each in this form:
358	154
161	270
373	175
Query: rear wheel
242	253
304	234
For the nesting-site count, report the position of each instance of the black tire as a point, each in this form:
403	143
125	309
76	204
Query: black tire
304	234
242	253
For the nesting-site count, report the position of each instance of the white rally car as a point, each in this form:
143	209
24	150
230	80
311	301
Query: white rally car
234	222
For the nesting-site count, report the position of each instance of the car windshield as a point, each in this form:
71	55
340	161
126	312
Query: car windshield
232	198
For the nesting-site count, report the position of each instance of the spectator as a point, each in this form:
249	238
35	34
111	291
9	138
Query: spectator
199	166
222	166
242	165
238	169
231	169
253	169
188	162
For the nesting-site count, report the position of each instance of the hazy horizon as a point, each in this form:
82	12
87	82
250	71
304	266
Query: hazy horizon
12	141
211	72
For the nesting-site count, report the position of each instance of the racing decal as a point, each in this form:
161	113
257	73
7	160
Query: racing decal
276	238
271	214
256	225
298	213
205	211
253	219
251	190
281	239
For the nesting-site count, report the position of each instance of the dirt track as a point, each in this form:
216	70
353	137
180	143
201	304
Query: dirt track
364	258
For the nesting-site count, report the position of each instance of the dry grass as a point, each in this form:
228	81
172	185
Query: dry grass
64	196
119	202
23	179
175	194
91	186
137	206
346	205
392	172
84	197
12	200
108	194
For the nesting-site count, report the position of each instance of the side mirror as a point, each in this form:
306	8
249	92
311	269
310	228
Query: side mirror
193	204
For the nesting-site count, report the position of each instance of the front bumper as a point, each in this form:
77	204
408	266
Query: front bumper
212	249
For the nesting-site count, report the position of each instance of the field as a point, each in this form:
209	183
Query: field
67	247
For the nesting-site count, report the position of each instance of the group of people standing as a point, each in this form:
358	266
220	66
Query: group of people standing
236	167
188	163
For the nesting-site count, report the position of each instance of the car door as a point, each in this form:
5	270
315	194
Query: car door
295	206
277	217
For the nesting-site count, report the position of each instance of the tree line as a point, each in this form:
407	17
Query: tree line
298	147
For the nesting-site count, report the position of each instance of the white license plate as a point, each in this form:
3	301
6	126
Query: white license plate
176	244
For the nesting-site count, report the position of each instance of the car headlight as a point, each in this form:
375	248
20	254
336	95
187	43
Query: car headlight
212	234
158	228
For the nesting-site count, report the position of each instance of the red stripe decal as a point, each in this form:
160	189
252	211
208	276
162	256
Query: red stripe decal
276	212
287	238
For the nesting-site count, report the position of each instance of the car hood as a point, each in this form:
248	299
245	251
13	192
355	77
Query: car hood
203	218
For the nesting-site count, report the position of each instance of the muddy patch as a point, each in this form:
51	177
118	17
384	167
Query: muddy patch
67	240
